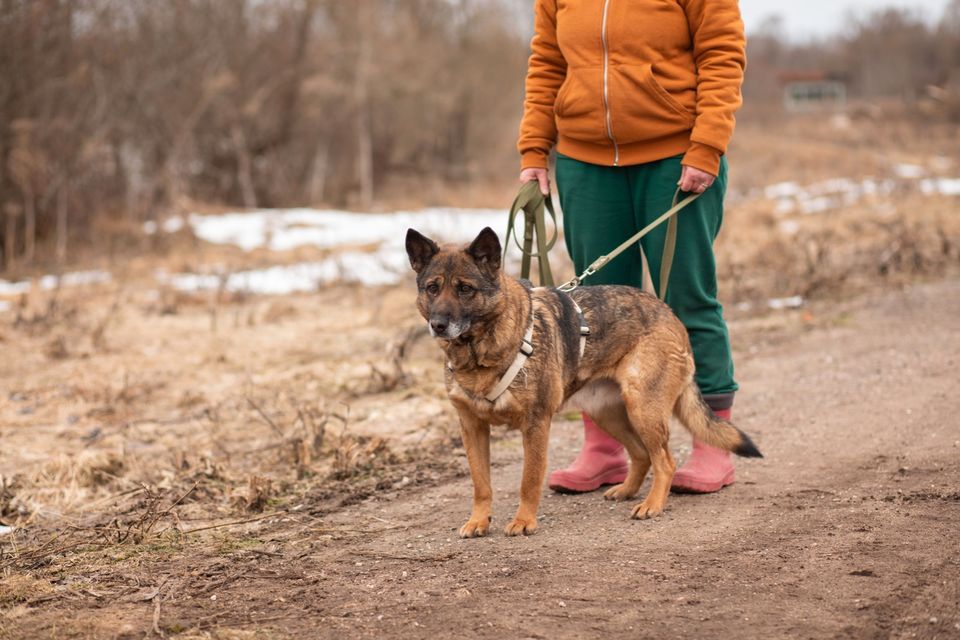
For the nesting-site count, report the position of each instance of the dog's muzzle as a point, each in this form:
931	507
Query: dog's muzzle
444	328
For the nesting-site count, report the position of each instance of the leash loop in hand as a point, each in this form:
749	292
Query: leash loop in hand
533	204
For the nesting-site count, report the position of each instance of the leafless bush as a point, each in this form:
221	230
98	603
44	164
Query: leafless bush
843	253
394	375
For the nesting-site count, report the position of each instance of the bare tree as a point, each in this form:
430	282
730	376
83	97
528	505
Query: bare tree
137	108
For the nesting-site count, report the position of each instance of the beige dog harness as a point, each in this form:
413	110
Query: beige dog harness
526	350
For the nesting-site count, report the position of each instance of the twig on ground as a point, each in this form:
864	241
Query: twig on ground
156	617
265	417
387	556
35	556
240	623
97	337
234	523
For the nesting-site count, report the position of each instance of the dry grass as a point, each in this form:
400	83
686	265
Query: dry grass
179	427
22	589
829	255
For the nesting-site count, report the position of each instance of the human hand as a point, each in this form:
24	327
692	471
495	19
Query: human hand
540	175
694	180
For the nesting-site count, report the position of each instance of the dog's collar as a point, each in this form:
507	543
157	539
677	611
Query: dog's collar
526	350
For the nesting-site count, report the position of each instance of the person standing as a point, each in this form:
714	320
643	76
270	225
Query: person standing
638	97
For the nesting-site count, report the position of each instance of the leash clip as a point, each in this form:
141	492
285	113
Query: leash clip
598	264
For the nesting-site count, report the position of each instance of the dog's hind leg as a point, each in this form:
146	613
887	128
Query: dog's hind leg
650	419
614	420
476	442
649	393
655	435
535	442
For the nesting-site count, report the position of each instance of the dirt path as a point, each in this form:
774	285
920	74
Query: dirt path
848	527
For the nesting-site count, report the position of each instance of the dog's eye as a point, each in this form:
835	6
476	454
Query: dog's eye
433	288
465	288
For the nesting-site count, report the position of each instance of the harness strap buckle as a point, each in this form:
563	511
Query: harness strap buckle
526	348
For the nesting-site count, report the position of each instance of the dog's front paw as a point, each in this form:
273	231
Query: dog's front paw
475	528
618	492
518	526
647	509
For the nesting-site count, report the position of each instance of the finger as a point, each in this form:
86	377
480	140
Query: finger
544	183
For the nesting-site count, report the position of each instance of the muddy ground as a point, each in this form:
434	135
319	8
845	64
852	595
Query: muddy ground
848	527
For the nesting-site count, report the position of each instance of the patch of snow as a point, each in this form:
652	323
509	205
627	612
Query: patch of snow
173	224
909	171
76	278
818	204
170	225
48	282
941	186
789	227
370	269
8	288
4	530
785	303
782	190
785	207
286	229
824	196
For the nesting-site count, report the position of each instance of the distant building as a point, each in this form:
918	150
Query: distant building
813	92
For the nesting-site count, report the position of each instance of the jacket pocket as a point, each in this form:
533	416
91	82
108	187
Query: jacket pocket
579	106
641	109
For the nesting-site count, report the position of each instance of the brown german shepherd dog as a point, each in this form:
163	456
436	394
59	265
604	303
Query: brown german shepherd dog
635	373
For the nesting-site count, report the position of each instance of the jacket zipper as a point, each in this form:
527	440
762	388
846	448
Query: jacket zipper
606	84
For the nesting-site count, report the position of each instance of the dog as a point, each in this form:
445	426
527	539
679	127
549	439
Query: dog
614	352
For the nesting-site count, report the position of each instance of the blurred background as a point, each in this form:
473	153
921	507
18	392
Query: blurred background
114	113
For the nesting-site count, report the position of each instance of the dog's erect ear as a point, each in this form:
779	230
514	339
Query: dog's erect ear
485	250
420	249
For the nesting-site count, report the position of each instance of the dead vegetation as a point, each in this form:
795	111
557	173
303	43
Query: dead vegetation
839	254
159	454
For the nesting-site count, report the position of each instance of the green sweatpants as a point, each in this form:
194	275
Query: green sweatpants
603	206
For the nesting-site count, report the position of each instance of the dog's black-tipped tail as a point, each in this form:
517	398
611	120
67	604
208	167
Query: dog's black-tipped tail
700	421
746	448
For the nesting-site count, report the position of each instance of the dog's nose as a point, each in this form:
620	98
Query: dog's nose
438	326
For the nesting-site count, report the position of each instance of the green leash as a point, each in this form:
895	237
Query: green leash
533	203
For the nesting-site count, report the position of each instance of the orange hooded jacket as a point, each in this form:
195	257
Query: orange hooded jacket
623	82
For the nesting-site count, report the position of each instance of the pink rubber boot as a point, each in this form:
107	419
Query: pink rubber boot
600	462
707	470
